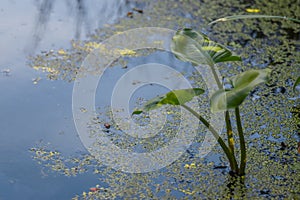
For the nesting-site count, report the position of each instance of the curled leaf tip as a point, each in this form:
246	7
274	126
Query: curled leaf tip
136	112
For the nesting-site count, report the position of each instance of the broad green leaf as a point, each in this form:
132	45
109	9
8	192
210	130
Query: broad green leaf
297	82
175	97
242	85
191	46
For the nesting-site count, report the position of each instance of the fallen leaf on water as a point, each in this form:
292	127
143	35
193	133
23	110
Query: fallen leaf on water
61	52
191	166
252	10
94	189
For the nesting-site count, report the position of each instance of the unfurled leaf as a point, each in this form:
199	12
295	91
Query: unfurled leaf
242	85
191	46
175	97
297	82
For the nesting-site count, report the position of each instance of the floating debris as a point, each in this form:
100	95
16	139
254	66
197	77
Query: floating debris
191	166
6	72
36	80
82	109
130	14
61	52
94	189
107	125
138	10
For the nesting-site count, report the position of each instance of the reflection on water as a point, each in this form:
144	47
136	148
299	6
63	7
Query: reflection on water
42	20
86	14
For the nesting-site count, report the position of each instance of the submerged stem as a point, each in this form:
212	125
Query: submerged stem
230	156
242	141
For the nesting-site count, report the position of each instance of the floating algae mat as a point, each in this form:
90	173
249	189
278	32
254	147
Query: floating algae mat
270	115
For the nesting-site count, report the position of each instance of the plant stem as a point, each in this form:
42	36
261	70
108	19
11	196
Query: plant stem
229	132
233	162
242	141
233	165
216	76
227	151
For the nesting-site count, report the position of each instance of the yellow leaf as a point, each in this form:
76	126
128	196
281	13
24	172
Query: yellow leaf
193	165
187	166
61	52
252	10
188	192
92	45
84	194
127	52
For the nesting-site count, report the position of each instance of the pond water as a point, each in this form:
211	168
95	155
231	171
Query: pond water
33	109
41	152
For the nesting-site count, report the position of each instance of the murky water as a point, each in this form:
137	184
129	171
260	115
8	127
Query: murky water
41	155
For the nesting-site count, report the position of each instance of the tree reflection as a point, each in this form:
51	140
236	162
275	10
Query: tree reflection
45	9
86	14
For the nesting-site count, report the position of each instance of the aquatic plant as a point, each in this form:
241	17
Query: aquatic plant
236	17
297	82
196	48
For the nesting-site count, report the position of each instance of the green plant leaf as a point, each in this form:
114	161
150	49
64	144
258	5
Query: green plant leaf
297	82
175	97
242	85
236	17
191	46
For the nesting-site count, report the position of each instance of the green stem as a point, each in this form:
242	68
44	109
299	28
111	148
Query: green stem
230	156
242	141
216	77
229	132
233	165
233	162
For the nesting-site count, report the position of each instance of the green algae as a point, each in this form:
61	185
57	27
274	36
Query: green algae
272	171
